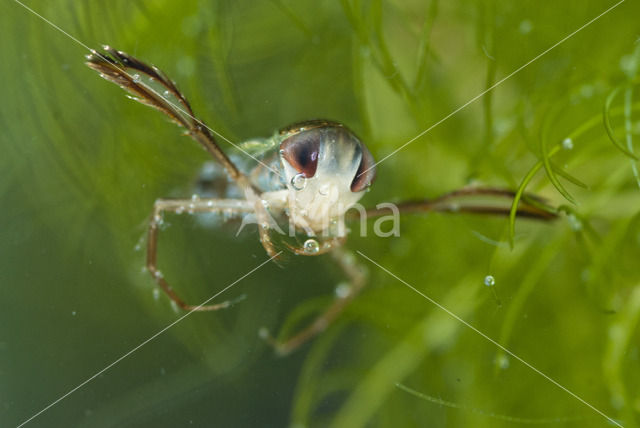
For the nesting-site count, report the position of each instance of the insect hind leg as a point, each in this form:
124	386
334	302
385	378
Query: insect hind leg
345	293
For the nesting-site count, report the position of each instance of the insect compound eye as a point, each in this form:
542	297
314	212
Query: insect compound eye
301	152
366	171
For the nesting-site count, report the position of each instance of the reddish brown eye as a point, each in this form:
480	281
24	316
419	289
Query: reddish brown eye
366	171
301	152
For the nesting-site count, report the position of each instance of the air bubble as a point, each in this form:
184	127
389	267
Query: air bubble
343	290
489	281
567	144
525	26
574	222
311	246
587	91
502	361
263	333
324	190
299	181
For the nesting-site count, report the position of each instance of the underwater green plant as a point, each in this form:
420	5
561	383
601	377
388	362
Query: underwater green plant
81	167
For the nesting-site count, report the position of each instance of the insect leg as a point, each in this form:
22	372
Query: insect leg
125	70
475	200
345	293
234	206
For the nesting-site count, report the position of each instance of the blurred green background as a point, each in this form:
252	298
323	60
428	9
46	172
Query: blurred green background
81	166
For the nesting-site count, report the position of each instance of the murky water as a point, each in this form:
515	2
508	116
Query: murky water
86	339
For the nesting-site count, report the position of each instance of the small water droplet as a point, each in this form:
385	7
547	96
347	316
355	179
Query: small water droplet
299	181
195	197
587	91
574	222
156	294
343	290
73	313
166	94
502	361
525	26
136	77
179	210
158	274
567	144
210	203
311	246
489	281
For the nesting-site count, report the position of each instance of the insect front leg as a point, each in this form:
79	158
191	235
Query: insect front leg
345	293
231	206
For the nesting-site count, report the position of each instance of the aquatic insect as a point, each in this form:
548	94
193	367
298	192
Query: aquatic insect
304	178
